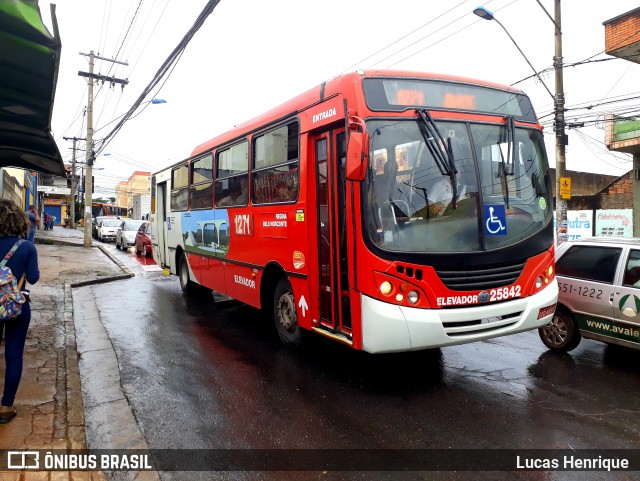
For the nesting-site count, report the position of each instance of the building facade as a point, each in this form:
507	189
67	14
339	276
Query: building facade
138	183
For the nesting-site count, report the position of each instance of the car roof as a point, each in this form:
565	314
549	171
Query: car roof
608	240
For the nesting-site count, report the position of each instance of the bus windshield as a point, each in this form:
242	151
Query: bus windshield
490	190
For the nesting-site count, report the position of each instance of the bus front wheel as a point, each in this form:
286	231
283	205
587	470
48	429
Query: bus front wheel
186	284
284	313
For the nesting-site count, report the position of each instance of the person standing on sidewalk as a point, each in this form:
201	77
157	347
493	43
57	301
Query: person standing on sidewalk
34	219
14	225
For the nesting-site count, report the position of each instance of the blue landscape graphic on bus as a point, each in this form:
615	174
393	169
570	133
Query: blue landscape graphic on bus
206	232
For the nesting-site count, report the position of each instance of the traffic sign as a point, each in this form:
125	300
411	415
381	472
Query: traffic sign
565	187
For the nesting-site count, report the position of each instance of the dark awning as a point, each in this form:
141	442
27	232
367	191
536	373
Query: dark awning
29	61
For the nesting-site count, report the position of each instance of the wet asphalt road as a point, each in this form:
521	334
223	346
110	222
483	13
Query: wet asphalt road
205	374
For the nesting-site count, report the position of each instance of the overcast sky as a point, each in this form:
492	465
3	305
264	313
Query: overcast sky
251	55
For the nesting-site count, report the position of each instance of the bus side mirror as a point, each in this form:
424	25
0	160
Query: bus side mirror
357	156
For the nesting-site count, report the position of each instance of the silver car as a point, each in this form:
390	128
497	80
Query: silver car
599	293
126	233
107	229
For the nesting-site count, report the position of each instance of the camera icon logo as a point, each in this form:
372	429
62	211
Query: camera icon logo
23	460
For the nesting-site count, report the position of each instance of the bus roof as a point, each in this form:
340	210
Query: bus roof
328	88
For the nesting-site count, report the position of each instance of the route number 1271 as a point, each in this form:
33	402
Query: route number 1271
243	224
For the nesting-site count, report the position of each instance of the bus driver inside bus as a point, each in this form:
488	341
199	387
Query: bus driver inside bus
440	195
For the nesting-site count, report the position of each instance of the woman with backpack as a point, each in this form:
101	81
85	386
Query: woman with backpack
21	257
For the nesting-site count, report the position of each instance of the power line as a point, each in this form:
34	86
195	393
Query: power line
405	36
586	60
590	106
133	19
618	81
591	148
135	63
448	36
162	71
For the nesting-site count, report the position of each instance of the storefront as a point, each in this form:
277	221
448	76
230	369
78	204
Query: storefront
55	202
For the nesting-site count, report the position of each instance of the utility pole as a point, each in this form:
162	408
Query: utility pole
562	182
72	215
89	171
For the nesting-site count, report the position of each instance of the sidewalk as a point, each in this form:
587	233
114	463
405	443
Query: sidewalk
49	400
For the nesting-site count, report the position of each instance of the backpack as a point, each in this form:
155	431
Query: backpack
11	299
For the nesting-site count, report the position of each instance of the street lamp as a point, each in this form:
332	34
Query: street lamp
558	102
488	15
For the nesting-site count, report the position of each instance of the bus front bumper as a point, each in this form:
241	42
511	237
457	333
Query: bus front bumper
391	328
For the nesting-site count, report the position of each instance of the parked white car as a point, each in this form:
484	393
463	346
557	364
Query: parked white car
107	229
599	298
126	233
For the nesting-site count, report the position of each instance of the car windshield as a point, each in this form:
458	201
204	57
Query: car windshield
132	225
453	186
111	223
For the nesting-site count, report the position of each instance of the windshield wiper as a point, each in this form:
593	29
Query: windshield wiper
442	152
436	144
508	167
511	144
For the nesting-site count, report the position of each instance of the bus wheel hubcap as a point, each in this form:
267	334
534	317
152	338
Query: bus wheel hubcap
286	312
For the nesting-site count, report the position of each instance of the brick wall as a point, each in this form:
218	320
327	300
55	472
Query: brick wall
618	195
622	32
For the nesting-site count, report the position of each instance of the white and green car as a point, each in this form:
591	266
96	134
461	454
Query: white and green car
599	293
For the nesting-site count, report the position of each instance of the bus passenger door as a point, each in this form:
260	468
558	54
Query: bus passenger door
330	157
161	222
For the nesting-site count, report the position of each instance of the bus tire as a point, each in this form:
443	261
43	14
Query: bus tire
186	284
561	334
285	316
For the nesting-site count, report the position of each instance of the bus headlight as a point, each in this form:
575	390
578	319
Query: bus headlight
386	288
544	278
399	291
413	297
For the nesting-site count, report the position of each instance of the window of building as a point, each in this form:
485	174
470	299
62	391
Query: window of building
275	175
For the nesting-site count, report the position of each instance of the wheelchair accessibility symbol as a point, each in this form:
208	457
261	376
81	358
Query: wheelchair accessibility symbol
496	220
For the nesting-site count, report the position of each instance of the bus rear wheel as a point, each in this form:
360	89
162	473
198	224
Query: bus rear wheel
186	284
285	316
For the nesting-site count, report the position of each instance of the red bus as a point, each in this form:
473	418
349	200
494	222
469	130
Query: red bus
99	208
387	210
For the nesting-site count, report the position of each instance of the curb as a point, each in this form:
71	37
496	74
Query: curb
127	272
56	242
70	405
